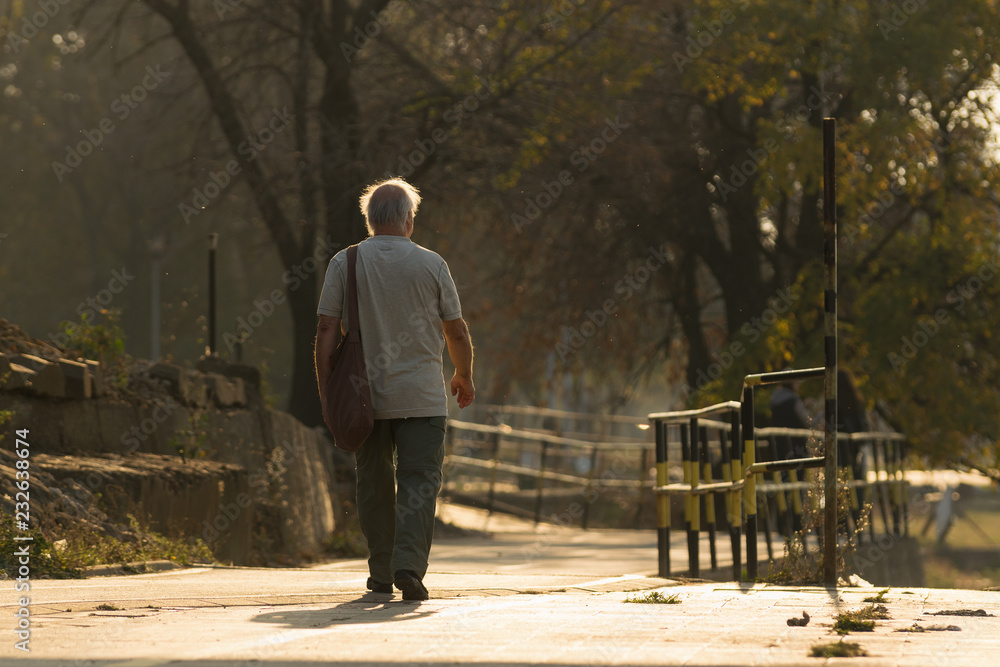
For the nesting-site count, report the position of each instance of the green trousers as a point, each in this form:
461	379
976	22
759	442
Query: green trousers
396	500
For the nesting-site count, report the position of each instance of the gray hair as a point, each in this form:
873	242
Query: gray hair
387	204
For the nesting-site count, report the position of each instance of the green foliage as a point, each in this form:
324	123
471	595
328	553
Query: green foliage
917	203
102	341
654	597
46	561
861	620
190	442
877	598
79	547
916	182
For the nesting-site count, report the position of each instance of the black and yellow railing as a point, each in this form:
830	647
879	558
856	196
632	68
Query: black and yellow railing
719	447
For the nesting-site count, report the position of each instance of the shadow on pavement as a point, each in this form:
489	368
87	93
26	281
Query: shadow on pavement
369	608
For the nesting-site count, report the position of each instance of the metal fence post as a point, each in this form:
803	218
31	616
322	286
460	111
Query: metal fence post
706	467
750	482
830	349
736	517
689	440
662	499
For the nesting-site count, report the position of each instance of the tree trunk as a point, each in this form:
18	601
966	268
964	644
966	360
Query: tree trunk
303	399
689	311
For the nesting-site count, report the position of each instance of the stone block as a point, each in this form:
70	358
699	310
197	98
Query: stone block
96	376
307	518
79	380
226	392
186	385
249	374
40	415
48	377
11	379
80	426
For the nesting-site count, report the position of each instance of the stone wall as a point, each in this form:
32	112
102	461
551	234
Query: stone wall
284	494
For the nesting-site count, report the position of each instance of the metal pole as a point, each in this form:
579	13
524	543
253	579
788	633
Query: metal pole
662	499
830	345
709	513
694	536
750	482
213	242
735	518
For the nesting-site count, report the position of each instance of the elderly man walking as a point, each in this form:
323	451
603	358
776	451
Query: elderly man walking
408	309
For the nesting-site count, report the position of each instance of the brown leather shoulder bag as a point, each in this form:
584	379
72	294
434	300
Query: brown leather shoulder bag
347	404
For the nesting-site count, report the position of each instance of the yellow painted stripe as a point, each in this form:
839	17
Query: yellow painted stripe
661	473
663	511
710	498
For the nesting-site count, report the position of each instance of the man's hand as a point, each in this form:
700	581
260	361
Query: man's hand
456	335
462	387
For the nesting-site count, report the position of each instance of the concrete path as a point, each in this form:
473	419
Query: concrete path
565	605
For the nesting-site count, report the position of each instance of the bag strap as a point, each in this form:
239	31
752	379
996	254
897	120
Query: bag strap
352	289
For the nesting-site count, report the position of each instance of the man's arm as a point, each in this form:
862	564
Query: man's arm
327	339
456	335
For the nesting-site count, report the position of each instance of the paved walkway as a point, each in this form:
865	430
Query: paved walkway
565	605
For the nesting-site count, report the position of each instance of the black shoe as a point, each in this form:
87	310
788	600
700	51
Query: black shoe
376	587
410	584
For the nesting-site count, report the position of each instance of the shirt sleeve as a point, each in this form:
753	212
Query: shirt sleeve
331	299
451	308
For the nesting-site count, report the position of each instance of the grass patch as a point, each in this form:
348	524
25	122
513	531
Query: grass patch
878	598
77	547
862	620
107	607
656	597
839	649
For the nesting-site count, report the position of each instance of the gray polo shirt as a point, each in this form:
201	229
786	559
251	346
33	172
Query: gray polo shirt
404	293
